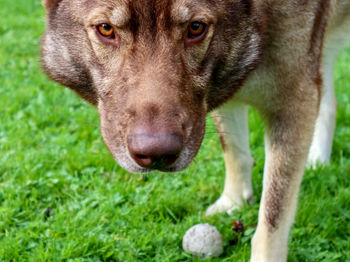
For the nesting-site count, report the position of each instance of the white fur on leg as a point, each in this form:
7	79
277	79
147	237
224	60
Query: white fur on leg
232	124
269	247
321	147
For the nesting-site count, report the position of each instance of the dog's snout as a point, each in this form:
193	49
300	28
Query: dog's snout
154	149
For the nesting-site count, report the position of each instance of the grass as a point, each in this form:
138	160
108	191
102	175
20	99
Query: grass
63	197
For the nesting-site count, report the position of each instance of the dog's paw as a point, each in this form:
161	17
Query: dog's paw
223	204
315	160
320	152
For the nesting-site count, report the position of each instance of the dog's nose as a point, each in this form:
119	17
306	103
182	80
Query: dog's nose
154	149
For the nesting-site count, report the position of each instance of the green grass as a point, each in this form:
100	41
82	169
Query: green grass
52	157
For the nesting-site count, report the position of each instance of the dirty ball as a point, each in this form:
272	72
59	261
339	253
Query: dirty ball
203	240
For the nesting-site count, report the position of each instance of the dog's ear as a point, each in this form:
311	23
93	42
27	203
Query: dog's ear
49	4
65	49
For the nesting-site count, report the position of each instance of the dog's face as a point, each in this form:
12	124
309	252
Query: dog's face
154	68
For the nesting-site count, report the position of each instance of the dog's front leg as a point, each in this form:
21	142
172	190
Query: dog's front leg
287	139
231	121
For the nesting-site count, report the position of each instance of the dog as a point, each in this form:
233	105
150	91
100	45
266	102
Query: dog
155	68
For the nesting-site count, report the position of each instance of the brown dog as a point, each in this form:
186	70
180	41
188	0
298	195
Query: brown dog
155	68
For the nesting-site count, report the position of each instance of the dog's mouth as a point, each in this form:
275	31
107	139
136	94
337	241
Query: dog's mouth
143	147
171	163
166	163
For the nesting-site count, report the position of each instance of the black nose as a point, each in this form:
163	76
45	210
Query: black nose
155	149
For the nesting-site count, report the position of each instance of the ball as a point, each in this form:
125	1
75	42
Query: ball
204	241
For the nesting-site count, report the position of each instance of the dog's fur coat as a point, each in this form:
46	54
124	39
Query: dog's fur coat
153	86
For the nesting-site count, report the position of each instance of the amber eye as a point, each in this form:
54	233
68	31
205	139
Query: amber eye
106	30
196	29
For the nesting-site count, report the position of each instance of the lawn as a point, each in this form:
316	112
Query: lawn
63	197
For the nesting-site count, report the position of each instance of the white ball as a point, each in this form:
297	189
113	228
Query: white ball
203	240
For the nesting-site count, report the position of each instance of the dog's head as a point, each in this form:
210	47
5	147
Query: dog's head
154	68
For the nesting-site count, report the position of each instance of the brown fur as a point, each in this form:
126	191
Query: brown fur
152	61
267	53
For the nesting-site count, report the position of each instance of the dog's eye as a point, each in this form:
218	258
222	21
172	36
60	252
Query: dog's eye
106	30
196	30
